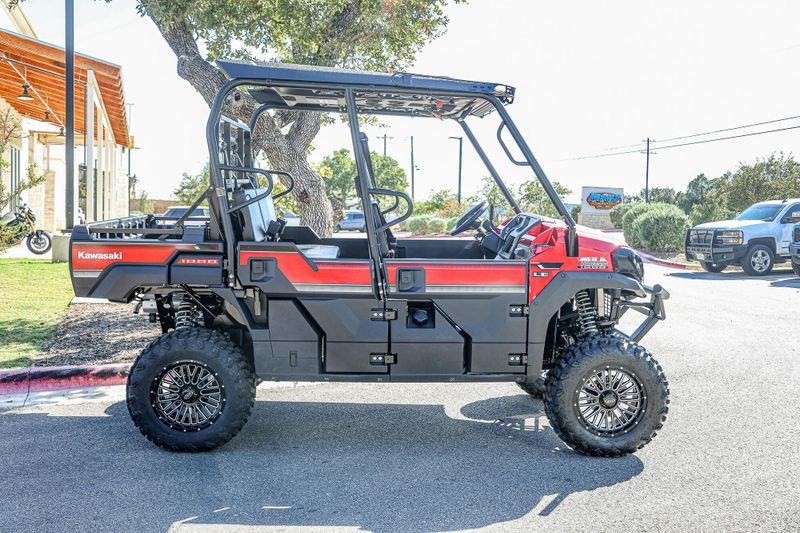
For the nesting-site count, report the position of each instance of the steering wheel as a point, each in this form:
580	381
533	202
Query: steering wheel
470	217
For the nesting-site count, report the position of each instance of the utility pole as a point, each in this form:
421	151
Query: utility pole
460	159
647	172
385	137
412	167
69	115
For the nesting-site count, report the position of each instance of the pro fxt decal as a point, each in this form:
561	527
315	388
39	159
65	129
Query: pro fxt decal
593	263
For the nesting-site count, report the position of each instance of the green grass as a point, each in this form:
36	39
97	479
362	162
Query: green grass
34	293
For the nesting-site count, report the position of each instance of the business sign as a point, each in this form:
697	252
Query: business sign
600	199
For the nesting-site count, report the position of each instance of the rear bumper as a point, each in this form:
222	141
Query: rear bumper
715	253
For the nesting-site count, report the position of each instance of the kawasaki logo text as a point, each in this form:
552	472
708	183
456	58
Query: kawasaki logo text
91	255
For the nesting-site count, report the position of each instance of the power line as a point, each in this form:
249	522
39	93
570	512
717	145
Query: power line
729	137
744	126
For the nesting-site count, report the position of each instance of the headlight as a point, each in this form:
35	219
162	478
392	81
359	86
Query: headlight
628	262
730	237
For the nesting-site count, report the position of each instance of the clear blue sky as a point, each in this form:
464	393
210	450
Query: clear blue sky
589	76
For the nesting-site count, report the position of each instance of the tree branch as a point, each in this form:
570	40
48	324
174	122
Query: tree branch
304	129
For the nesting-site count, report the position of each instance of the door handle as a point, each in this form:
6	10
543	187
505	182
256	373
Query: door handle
410	280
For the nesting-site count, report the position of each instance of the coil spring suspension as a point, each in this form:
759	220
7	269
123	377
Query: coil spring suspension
186	315
587	319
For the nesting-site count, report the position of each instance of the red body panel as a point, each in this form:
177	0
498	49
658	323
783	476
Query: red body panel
99	255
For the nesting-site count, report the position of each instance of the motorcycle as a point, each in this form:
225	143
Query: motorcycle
20	225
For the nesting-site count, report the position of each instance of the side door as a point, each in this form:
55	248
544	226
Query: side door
457	316
787	222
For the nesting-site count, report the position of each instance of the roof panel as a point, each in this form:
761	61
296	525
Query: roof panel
380	83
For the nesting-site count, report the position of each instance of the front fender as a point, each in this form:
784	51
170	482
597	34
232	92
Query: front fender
563	287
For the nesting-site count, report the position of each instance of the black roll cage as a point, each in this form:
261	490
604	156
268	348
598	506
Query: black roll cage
218	187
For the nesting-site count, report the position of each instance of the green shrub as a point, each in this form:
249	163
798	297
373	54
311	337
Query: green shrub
662	228
617	212
634	212
418	225
436	225
451	223
702	213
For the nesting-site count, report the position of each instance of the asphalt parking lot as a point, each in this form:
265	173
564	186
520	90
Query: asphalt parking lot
452	457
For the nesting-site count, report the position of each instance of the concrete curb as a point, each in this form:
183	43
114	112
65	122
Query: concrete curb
38	379
656	261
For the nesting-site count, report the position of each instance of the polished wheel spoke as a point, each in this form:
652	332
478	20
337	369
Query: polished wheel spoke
609	401
187	396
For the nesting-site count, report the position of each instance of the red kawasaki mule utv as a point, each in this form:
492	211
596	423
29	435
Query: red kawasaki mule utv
244	297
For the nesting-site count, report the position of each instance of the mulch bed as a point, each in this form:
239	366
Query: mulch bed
97	334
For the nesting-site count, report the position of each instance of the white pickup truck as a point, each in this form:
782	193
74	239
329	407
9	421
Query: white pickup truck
755	240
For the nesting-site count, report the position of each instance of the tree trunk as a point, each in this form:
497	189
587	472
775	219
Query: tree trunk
286	152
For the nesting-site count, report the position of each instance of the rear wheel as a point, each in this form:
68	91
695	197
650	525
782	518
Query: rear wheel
713	267
606	397
39	242
796	269
759	260
337	228
191	390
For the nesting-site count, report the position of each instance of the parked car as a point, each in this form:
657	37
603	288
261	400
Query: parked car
794	249
199	216
291	218
352	221
756	239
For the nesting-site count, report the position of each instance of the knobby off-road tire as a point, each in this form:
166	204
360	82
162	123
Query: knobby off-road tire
202	367
716	268
534	388
606	358
758	261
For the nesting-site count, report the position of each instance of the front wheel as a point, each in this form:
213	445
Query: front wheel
337	228
716	268
191	390
758	261
39	242
606	397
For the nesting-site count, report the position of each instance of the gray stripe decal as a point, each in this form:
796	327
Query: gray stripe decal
86	273
332	287
483	289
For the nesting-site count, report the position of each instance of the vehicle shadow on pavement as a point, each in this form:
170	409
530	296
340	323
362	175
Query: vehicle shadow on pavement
367	466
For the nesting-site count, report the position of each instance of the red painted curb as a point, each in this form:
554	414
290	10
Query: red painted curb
37	379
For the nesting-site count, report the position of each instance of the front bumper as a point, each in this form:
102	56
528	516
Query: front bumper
715	253
652	309
794	250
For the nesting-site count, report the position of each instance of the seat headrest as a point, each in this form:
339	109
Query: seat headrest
254	218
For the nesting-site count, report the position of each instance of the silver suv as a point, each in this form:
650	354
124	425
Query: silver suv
756	239
353	221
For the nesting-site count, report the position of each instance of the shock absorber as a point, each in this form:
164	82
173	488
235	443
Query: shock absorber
586	313
187	315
